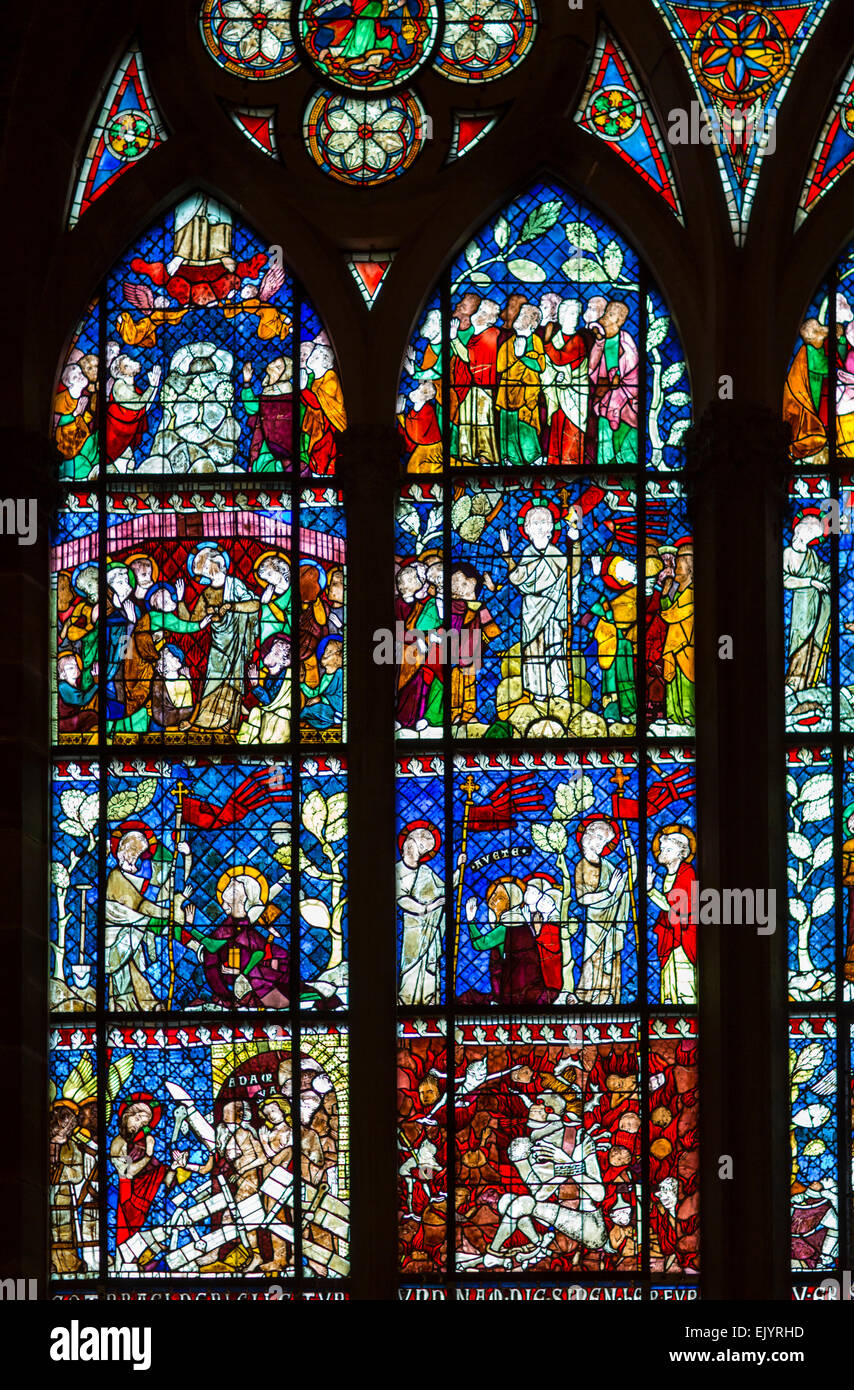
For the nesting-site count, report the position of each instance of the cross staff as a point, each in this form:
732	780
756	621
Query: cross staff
825	648
470	786
568	507
621	779
180	792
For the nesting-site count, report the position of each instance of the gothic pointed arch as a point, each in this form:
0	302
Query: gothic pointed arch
545	779
198	947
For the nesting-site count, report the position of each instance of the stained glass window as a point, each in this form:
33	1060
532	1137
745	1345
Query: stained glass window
369	272
470	127
484	39
250	38
368	47
258	124
363	140
198	935
741	59
547	834
128	128
615	108
834	152
819	702
186	363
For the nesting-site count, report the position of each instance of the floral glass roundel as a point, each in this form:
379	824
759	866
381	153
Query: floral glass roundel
484	39
361	140
129	136
614	113
251	38
741	52
368	45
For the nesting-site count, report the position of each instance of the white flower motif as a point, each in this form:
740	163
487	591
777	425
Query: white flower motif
257	29
367	136
478	29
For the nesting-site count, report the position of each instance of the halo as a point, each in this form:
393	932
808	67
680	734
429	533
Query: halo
270	555
803	512
540	502
126	827
427	557
251	872
591	820
141	555
547	878
119	565
676	829
145	1098
196	552
510	881
312	562
420	825
76	572
156	588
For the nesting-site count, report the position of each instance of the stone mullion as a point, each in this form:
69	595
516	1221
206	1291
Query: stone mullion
369	472
737	458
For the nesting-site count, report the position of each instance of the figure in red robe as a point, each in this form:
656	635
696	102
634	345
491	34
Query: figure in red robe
127	406
568	386
676	925
419	426
141	1175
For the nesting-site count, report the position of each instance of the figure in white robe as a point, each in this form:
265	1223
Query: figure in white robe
808	577
203	231
234	611
602	891
540	575
136	911
421	905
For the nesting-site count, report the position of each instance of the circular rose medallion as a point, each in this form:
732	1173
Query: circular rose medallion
740	53
364	140
484	39
251	38
368	45
614	113
846	116
129	135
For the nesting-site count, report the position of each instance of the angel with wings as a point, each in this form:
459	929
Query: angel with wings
254	297
155	310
